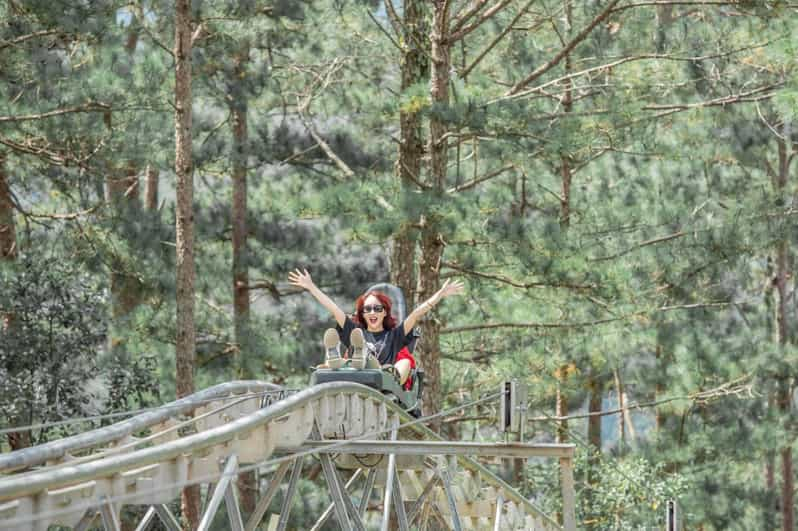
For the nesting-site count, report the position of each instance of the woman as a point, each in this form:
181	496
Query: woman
372	332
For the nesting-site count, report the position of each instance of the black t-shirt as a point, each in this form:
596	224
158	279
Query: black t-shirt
383	345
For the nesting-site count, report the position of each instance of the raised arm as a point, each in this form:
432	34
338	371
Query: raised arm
302	279
448	288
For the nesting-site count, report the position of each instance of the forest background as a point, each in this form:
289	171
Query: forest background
614	181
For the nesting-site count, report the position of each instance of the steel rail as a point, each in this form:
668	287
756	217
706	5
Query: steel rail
382	447
21	485
54	450
12	487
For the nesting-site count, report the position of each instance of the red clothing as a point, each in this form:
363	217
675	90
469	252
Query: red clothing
404	354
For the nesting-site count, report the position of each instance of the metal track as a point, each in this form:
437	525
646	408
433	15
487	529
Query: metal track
235	432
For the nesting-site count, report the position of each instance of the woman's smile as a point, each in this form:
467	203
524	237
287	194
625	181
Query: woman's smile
373	314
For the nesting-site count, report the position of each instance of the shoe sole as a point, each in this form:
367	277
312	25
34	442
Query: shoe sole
331	342
358	343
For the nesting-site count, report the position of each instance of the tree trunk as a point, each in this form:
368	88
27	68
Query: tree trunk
8	233
771	508
565	222
247	486
622	416
431	244
660	418
238	110
123	195
151	191
784	399
17	440
561	410
596	395
596	390
184	225
428	284
567	105
414	70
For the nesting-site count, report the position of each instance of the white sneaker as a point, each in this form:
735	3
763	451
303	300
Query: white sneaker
332	349
358	342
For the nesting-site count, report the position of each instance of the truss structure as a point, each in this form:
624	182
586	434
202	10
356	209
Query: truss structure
379	465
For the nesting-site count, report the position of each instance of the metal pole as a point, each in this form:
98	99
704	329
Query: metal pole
386	504
167	518
447	485
285	509
233	507
672	516
497	520
219	493
399	504
87	521
267	497
339	505
149	516
110	517
415	510
329	510
369	486
568	494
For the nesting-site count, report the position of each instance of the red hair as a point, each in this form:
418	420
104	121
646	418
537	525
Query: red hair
388	322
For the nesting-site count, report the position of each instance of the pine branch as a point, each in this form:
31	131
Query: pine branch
487	15
554	61
639	57
377	23
29	36
646	243
587	324
393	17
690	3
733	387
472	183
338	161
515	283
498	39
718	102
460	20
90	106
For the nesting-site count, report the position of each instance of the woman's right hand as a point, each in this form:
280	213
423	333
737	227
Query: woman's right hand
301	279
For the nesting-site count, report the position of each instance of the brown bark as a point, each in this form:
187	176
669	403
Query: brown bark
622	406
241	303
17	440
440	55
784	394
772	505
428	284
784	399
8	233
567	104
411	147
151	191
247	485
595	387
561	410
431	243
565	221
123	195
659	389
596	390
184	225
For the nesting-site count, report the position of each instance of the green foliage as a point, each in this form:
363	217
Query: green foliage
50	362
662	274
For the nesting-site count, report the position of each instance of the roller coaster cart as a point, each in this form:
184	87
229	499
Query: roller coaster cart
379	379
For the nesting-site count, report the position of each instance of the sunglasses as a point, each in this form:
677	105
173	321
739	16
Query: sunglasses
377	308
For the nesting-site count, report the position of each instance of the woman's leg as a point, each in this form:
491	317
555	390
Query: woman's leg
403	368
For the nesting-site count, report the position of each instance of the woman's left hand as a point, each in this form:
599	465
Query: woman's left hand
451	287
